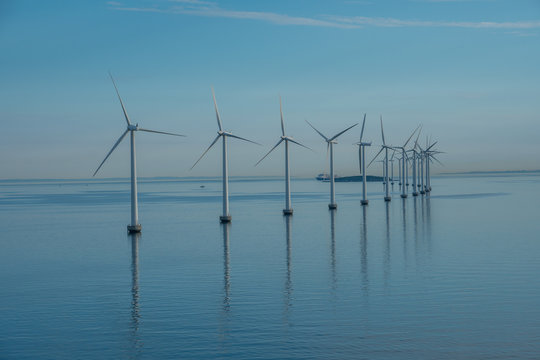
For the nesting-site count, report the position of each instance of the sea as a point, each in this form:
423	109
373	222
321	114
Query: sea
454	274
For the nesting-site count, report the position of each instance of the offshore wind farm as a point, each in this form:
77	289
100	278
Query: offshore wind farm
418	117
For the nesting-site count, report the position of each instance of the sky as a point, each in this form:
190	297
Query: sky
467	70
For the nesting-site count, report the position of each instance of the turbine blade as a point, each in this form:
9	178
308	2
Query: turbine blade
380	151
327	150
416	141
241	138
110	152
410	137
340	133
297	143
432	145
362	131
204	153
272	149
160	132
437	160
320	133
405	156
382	132
360	158
121	102
281	113
217	111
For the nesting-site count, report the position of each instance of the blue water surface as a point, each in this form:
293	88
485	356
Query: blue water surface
450	275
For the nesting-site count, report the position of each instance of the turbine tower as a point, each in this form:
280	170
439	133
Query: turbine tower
392	169
362	162
330	145
404	169
134	227
414	165
430	155
426	155
384	147
226	217
284	138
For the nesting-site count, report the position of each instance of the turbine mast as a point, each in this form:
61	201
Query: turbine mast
134	226
226	217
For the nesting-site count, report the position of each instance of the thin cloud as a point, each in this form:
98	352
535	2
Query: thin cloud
275	18
214	11
211	9
193	2
392	22
446	1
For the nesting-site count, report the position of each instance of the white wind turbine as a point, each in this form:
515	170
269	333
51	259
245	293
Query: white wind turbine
414	165
226	217
404	169
284	138
425	156
430	155
330	146
362	162
131	129
384	147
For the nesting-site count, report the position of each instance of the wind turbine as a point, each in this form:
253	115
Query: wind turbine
226	217
425	156
134	227
330	145
430	154
284	138
384	147
414	165
362	162
404	169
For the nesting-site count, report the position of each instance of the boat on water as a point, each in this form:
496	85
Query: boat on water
357	178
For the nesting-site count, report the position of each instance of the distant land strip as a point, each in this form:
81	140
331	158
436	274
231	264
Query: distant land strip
492	172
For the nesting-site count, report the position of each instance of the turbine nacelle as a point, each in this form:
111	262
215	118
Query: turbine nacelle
133	127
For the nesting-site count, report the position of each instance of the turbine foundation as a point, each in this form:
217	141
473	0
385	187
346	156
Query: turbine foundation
287	212
225	219
134	228
387	198
422	192
403	196
332	206
415	194
364	202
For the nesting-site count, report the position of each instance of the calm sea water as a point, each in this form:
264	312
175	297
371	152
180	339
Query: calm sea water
453	275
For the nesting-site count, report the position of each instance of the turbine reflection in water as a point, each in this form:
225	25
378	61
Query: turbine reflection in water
135	310
333	248
387	248
288	280
404	219
224	320
364	252
415	220
226	269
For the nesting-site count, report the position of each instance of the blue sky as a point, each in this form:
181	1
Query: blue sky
465	69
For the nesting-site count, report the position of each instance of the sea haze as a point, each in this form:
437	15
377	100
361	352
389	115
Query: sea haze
451	275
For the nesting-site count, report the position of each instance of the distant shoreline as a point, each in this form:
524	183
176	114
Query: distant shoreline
492	172
203	178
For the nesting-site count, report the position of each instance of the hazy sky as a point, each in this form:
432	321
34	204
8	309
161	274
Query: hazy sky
468	70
